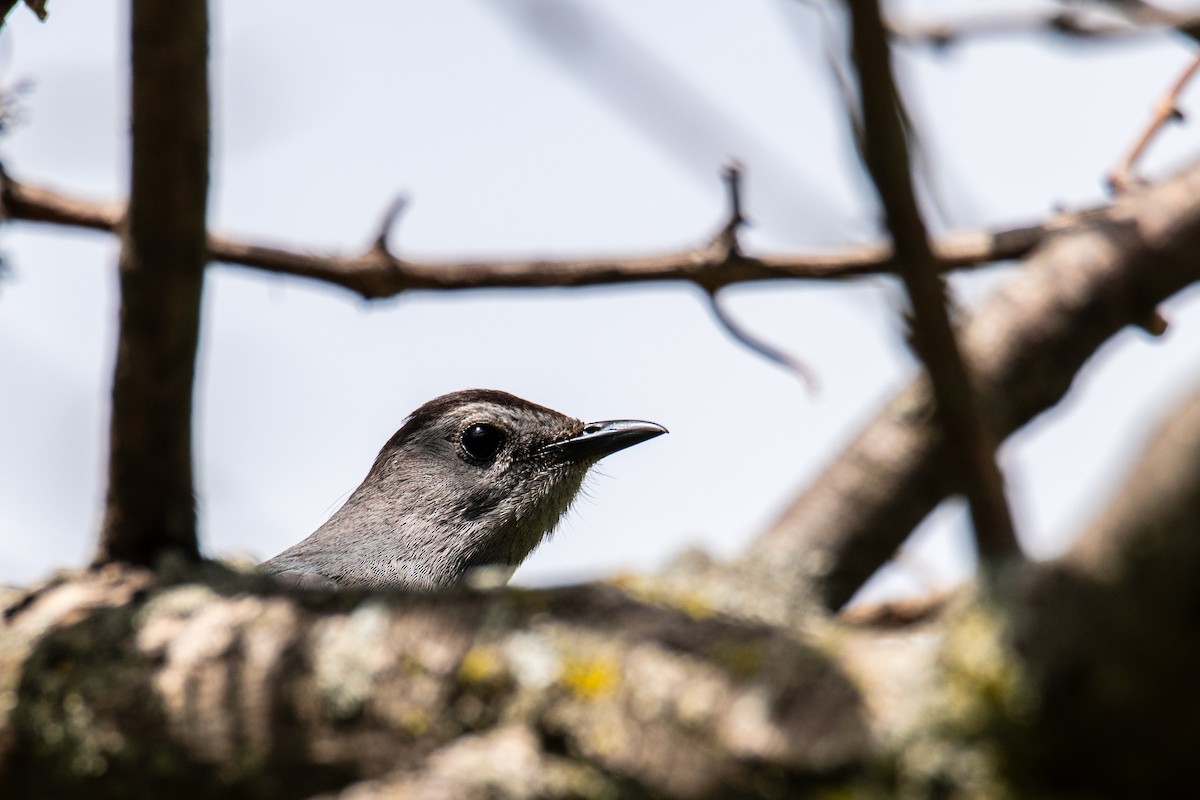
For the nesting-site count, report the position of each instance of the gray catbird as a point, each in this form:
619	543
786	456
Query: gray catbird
472	480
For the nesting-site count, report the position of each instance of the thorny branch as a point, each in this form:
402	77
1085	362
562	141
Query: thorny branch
379	273
727	240
885	152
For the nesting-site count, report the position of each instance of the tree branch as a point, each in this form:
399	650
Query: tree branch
376	273
1111	635
219	687
38	7
1121	178
1023	347
1145	541
150	508
885	152
1072	22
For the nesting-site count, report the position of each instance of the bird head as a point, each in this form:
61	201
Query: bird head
472	479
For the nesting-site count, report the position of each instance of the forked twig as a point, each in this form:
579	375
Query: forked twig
1122	179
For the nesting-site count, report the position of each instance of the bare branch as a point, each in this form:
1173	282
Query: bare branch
39	204
900	613
885	152
1110	631
1023	346
1066	22
1146	538
38	7
376	274
1148	15
150	509
1073	22
1121	179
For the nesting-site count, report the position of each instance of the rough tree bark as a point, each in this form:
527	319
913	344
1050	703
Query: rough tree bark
219	687
1110	636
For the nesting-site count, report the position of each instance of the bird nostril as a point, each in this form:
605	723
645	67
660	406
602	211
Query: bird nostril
593	428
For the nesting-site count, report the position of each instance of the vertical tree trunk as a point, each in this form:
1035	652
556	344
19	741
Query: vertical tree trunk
150	505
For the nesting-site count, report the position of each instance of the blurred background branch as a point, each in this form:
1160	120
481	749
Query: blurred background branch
885	138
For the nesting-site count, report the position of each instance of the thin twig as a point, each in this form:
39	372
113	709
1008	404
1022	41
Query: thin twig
390	217
885	152
901	613
1121	179
1065	22
1082	24
765	349
735	220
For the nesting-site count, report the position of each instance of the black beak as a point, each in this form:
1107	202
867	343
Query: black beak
600	439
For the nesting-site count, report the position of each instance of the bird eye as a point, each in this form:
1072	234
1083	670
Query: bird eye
481	441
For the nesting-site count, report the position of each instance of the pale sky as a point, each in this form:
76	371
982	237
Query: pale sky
510	144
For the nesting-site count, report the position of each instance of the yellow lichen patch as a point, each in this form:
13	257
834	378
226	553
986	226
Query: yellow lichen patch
624	580
590	679
481	665
983	700
740	659
415	721
983	675
847	792
695	604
